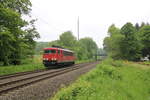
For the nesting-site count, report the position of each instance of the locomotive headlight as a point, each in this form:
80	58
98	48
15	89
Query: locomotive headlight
45	58
53	58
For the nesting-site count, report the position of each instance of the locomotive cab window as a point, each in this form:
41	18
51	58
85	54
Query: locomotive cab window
66	53
49	51
58	51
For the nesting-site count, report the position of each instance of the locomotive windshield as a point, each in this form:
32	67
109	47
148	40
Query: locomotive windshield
49	51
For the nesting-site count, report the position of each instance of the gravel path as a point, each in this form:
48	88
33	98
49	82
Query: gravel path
45	89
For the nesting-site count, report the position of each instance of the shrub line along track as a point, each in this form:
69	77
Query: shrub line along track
41	75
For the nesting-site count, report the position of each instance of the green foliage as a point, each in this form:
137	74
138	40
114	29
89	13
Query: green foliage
29	64
101	52
20	6
128	30
84	61
130	46
107	82
112	62
17	35
67	40
40	46
9	30
129	43
112	43
146	62
84	49
88	46
5	70
144	35
5	39
113	30
55	42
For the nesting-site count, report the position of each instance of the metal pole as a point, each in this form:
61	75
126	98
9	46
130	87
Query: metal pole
78	27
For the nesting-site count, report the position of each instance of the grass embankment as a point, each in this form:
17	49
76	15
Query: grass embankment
110	80
28	65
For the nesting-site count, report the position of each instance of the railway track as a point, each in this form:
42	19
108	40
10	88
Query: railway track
24	73
20	73
23	79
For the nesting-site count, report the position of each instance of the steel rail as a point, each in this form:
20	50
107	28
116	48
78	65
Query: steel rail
6	87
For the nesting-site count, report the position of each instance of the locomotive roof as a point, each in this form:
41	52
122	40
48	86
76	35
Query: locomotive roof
59	49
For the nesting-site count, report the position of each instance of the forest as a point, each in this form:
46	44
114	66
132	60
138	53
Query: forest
130	42
17	36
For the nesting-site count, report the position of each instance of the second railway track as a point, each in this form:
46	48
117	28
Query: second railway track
11	83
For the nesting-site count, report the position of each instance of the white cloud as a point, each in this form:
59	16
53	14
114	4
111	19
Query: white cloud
57	16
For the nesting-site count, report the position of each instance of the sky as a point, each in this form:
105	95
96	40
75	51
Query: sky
57	16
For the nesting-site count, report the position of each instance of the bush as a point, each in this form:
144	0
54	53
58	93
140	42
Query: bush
110	80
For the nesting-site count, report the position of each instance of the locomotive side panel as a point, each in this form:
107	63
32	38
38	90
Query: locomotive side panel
54	56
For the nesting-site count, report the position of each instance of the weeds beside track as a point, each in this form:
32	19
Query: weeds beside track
31	78
110	80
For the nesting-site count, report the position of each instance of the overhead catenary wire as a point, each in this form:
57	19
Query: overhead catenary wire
44	21
53	27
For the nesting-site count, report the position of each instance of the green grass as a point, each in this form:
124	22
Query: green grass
28	65
20	68
110	80
83	61
146	62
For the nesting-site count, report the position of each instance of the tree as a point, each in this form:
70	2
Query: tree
84	49
20	6
5	39
130	45
142	24
137	26
123	43
10	23
144	35
112	43
101	52
40	46
30	34
89	47
112	30
67	40
19	33
55	42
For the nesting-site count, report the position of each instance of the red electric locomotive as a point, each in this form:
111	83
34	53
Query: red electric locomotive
56	55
